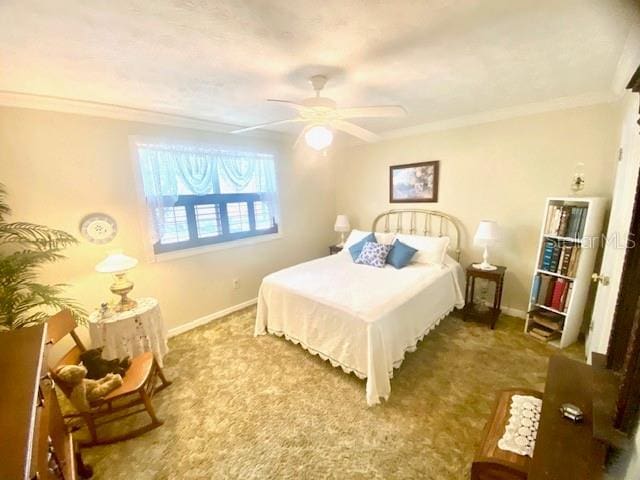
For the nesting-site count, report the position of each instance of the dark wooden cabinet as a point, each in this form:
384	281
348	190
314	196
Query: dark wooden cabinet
34	440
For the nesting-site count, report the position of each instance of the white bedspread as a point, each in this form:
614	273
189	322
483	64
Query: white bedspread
360	318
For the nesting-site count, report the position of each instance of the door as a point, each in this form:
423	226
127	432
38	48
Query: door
624	191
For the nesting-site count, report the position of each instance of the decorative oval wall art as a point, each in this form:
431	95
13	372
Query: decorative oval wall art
98	228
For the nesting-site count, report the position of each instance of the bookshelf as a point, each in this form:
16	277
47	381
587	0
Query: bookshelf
567	249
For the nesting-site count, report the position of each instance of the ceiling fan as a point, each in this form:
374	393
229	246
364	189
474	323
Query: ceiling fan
321	117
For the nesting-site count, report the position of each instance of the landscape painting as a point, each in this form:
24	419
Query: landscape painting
415	182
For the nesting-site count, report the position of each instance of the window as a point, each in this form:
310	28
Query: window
208	220
176	228
199	196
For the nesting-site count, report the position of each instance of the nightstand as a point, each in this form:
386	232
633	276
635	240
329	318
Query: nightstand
475	311
333	249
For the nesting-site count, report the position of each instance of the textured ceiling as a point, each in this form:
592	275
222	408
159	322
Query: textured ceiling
220	60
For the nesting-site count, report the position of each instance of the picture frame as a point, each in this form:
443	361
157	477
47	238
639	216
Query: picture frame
414	182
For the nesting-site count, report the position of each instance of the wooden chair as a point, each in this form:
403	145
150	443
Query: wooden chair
139	385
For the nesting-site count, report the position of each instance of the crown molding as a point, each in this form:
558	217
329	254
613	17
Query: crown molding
562	103
120	112
629	59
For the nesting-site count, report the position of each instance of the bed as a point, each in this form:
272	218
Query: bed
359	318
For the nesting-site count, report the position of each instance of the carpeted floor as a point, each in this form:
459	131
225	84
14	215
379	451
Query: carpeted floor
245	407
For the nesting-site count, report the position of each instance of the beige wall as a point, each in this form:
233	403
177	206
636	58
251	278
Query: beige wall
59	167
500	171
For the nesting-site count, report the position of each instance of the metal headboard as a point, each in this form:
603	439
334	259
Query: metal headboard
436	224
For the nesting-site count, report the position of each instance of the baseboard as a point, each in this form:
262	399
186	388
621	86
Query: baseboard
514	312
185	327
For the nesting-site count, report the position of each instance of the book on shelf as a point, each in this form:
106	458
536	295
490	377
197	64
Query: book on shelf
551	292
559	288
544	287
549	320
567	297
555	258
543	334
565	221
565	212
561	258
573	262
536	288
547	254
567	251
553	220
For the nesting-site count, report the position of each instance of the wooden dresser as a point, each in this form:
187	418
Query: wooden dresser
34	440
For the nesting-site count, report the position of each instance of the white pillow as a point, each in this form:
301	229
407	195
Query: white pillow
431	250
356	235
385	238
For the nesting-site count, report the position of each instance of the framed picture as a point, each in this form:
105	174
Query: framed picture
415	182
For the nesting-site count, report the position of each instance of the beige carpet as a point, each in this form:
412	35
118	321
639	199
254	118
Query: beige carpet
245	407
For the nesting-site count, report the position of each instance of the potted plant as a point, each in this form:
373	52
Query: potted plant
24	249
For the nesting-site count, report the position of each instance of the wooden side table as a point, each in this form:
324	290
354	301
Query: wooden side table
333	249
473	311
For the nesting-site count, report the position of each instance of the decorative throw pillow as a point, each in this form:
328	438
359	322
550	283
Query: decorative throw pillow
358	235
386	238
431	250
401	254
356	248
354	237
374	254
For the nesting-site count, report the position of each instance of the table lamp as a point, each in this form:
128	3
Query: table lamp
118	263
342	226
486	236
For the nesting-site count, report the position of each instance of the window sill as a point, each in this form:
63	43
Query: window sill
188	252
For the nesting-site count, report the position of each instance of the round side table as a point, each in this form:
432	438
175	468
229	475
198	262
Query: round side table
131	333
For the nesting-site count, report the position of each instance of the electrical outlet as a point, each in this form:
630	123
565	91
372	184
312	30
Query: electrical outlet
236	284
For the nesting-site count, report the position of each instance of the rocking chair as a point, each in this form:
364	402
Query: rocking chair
140	383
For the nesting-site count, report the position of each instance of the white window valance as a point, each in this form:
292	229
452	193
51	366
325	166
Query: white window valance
169	171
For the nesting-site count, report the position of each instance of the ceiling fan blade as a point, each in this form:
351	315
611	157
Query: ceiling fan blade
268	124
296	105
372	111
301	136
355	130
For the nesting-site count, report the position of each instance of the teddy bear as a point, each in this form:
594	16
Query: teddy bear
83	391
98	367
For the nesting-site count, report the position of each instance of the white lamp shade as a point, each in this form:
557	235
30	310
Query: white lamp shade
318	137
486	234
115	263
342	224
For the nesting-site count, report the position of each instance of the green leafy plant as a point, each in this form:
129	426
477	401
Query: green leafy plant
24	249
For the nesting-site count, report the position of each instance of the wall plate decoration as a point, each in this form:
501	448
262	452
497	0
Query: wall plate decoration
98	228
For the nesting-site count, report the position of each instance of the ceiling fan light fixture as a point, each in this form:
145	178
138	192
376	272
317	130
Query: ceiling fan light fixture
318	137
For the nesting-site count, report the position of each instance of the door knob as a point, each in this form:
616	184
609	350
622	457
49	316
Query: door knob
603	279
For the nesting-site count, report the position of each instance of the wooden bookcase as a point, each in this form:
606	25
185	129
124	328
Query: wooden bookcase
567	252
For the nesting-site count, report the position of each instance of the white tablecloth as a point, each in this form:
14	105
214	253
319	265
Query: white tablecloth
132	332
